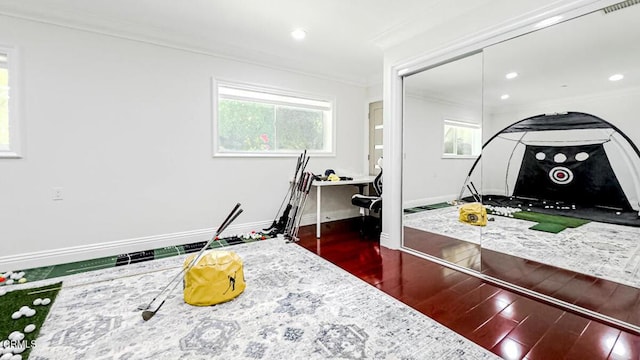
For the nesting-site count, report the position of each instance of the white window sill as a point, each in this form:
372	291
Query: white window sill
460	156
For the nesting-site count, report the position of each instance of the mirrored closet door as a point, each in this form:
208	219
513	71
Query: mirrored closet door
559	172
442	123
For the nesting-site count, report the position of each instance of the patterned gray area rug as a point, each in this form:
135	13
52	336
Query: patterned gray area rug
296	306
603	250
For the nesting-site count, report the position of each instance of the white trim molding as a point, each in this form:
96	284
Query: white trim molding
114	248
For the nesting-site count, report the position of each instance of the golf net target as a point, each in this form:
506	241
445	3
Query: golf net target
561	175
567	158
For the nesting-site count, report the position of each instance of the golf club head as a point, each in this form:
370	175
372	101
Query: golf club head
147	314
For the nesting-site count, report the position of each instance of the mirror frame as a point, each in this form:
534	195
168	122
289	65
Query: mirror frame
393	234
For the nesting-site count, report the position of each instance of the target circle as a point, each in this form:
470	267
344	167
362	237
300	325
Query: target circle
561	175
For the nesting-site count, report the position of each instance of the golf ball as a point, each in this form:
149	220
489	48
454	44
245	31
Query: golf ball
46	301
37	302
617	212
22	280
16	315
16	276
16	336
17	357
18	350
29	328
24	309
6	356
9	282
30	313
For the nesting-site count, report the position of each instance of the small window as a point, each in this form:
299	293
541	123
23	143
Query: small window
9	137
259	121
461	139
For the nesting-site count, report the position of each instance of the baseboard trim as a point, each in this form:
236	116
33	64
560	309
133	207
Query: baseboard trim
310	218
385	240
113	248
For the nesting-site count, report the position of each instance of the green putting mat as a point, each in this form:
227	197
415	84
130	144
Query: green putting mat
78	267
436	206
548	227
12	301
169	251
48	272
566	221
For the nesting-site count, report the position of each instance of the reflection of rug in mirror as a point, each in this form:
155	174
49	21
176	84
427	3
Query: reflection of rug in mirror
443	221
296	305
603	250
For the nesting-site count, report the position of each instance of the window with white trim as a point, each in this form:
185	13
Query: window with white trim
253	120
461	139
9	137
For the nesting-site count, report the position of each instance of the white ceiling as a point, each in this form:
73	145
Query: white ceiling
346	38
570	59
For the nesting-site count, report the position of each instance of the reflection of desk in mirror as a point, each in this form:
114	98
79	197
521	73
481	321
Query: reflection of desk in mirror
360	182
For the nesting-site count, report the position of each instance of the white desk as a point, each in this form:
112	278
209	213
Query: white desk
359	182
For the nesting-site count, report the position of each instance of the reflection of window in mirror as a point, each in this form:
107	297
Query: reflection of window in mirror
9	138
461	139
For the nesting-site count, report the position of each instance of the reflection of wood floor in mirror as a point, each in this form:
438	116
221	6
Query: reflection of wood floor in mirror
543	269
601	250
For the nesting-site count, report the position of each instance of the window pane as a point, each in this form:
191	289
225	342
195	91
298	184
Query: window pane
461	139
449	136
299	129
464	141
253	121
4	106
245	126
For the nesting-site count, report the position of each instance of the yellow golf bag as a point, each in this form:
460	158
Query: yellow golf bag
217	277
474	214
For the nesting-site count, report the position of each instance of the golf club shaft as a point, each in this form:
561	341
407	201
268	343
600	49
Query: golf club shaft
232	216
304	203
288	194
148	314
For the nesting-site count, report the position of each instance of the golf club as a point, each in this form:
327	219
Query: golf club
148	314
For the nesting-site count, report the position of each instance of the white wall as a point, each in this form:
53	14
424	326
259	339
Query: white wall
427	176
124	128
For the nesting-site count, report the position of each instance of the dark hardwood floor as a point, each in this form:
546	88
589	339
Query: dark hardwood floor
512	326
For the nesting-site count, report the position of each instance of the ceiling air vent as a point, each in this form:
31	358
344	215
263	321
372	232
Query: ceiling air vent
620	6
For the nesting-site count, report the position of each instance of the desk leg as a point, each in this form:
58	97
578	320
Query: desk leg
318	207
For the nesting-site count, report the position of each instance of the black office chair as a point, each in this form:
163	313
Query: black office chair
370	204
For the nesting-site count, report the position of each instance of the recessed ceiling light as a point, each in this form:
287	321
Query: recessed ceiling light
616	77
511	75
504	97
547	22
298	34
